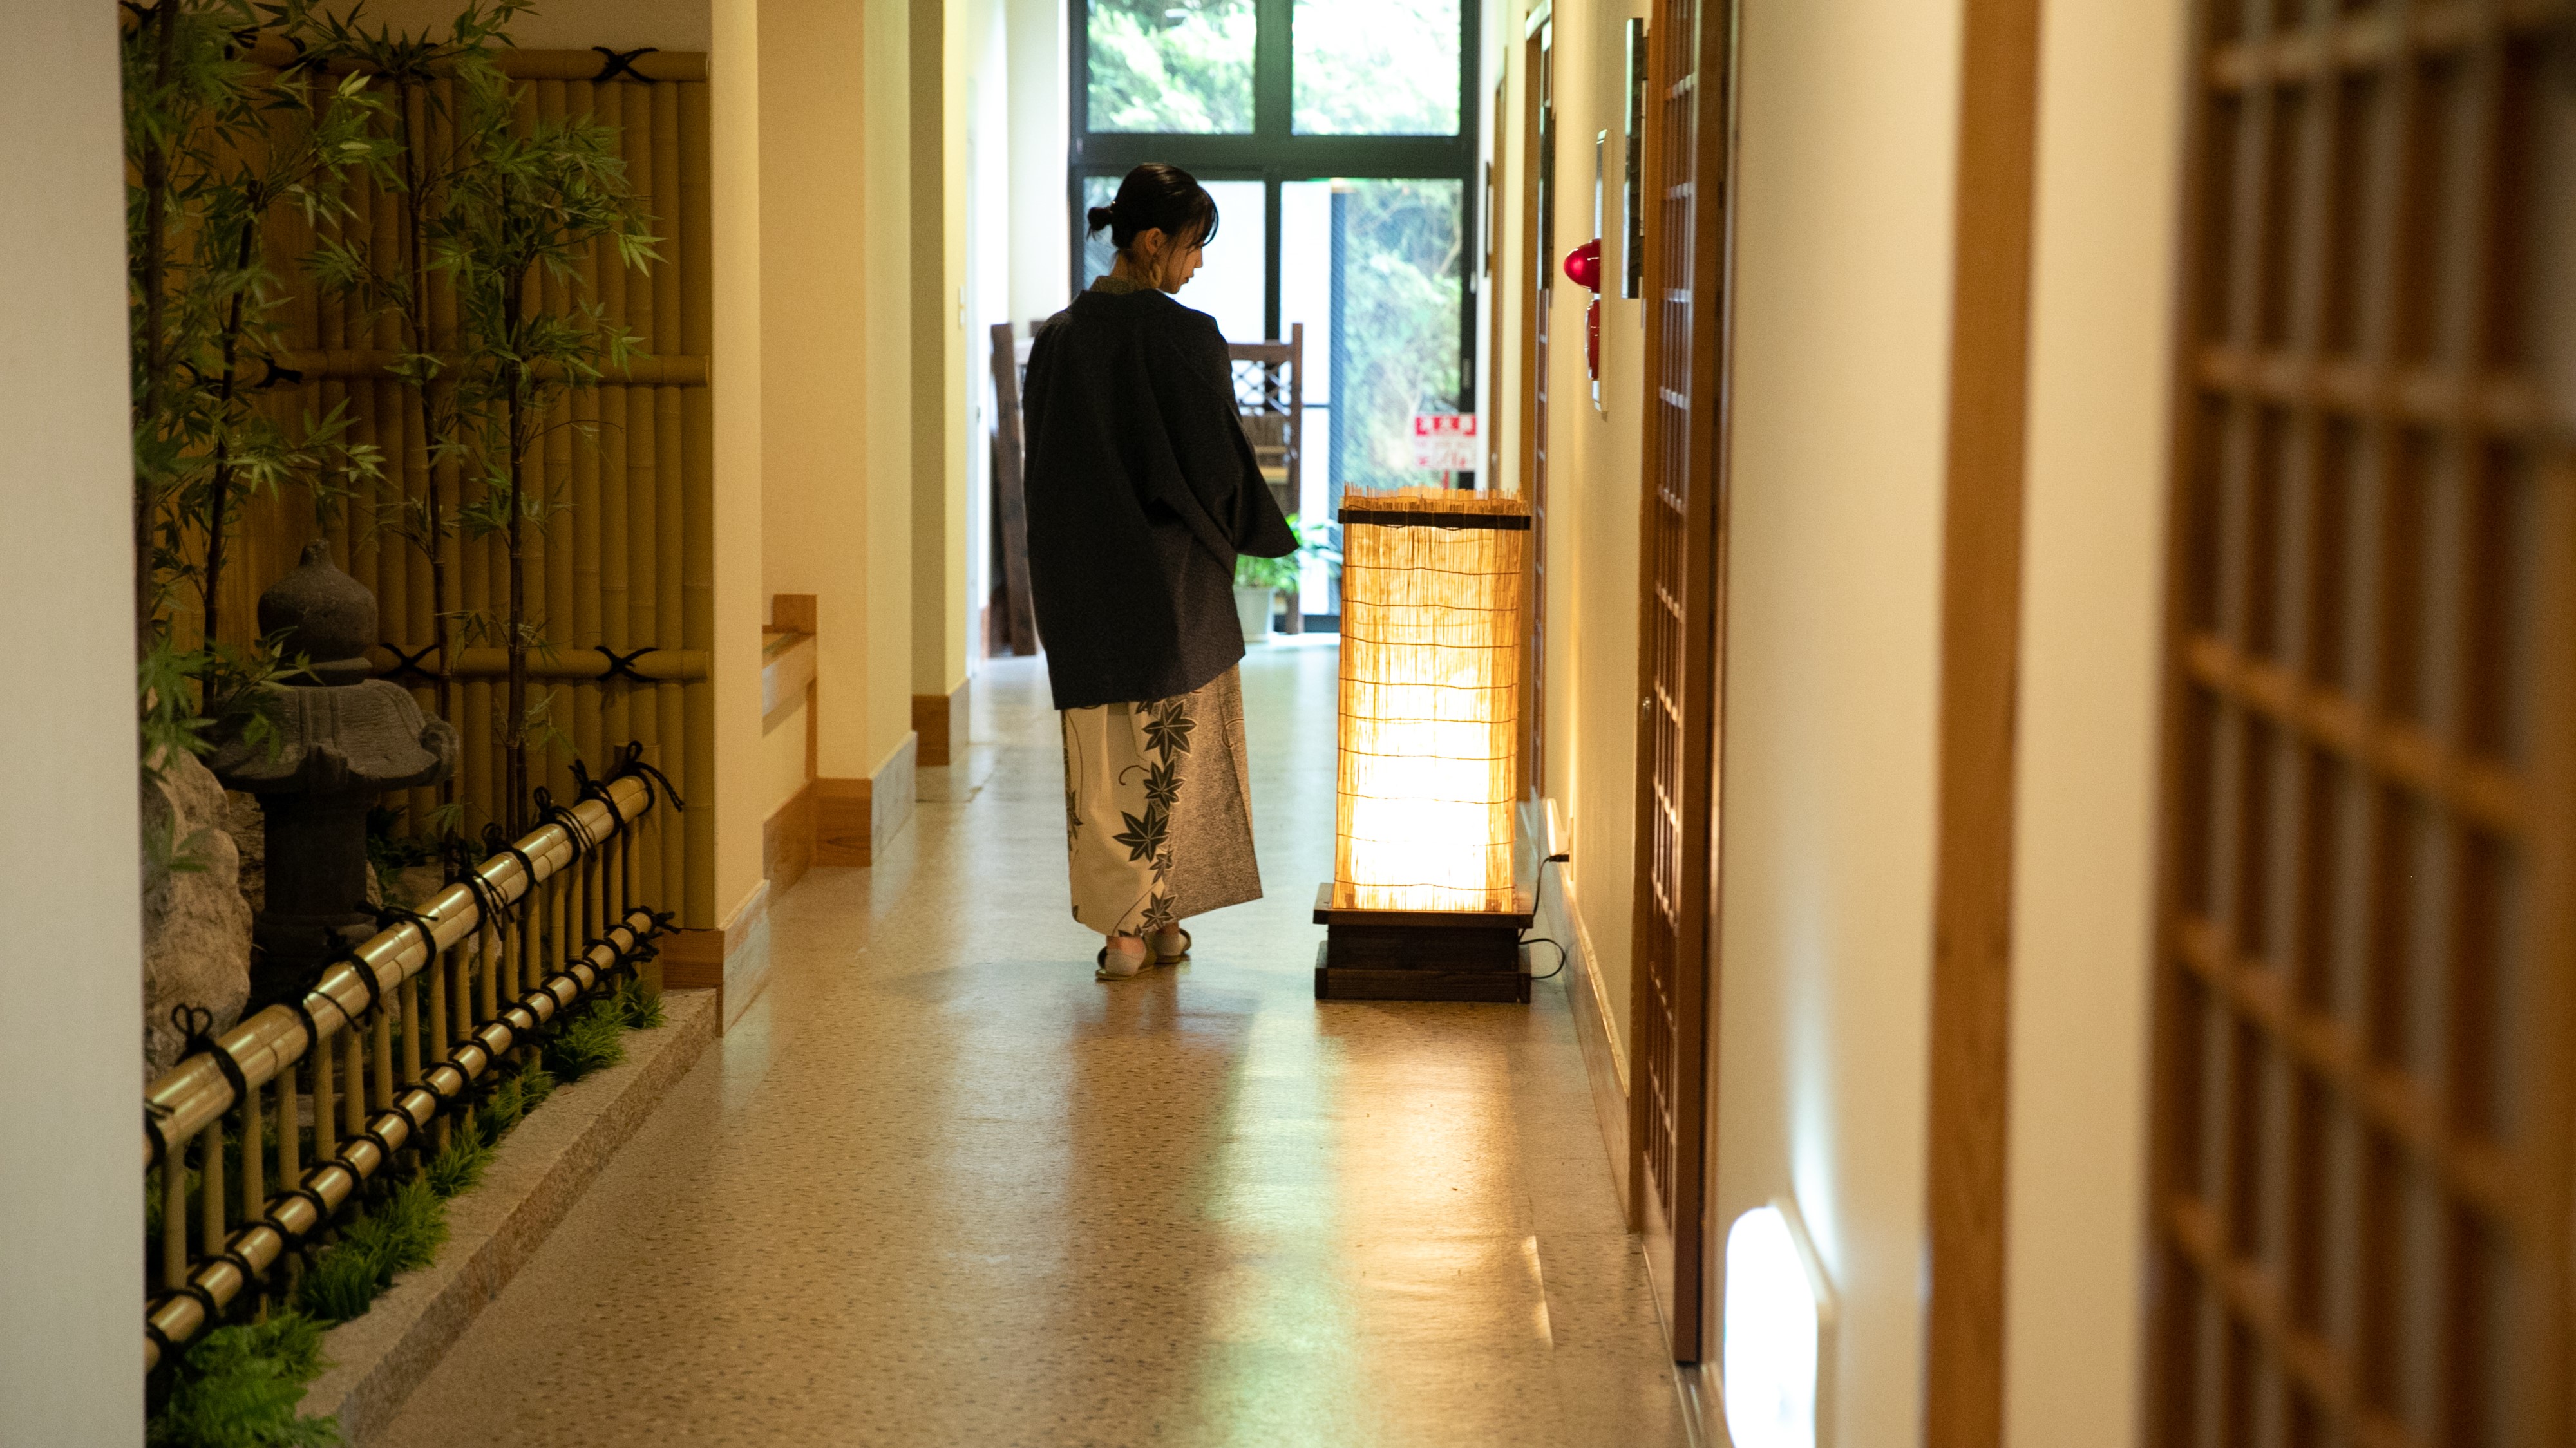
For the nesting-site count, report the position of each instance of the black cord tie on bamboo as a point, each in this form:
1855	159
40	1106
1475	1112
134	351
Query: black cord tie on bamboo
407	665
499	844
366	973
197	1025
583	845
631	764
321	1214
389	916
598	789
240	1264
463	869
622	666
622	62
277	376
190	1287
304	1013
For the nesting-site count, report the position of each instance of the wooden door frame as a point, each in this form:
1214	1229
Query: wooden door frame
1678	1244
1537	235
1970	1038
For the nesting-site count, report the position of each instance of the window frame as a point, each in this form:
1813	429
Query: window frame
1274	154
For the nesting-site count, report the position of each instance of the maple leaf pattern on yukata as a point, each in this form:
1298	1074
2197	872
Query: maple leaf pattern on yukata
1144	837
1167	732
1158	913
1163	784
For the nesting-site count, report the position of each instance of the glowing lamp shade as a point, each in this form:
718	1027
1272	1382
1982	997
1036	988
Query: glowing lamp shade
1430	699
1778	1316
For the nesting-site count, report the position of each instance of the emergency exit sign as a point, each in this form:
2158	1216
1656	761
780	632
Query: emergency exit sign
1445	442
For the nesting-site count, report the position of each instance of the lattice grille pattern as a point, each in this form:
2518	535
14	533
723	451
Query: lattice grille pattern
2362	1201
1677	631
1430	706
1261	387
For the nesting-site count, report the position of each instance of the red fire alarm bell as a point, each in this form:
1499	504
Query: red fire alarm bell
1583	268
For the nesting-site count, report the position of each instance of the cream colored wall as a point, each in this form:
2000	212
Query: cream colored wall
1849	123
1595	471
836	244
886	384
782	759
1595	490
71	1051
939	441
735	363
988	276
2085	797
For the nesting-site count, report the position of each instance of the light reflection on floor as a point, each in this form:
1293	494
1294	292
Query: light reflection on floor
939	1186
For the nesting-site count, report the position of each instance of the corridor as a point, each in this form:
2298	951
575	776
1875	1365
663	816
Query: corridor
938	1186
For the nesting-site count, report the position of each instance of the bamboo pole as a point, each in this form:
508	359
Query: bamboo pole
287	1128
581	621
252	1192
317	1066
696	278
174	1216
210	1184
609	545
669	190
669	581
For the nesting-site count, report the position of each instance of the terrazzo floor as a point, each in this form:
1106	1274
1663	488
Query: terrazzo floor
938	1186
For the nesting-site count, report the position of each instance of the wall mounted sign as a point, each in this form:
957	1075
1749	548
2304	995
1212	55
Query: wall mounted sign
1446	442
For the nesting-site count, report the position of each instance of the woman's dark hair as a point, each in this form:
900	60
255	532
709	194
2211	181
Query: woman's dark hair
1156	196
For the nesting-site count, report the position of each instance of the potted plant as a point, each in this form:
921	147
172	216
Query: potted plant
1257	581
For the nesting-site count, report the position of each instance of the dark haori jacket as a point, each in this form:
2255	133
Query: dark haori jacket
1141	492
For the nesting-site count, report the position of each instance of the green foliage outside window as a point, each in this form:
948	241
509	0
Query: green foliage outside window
1376	67
1172	66
1400	280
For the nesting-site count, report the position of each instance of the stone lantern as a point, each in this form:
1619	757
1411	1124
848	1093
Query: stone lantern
344	740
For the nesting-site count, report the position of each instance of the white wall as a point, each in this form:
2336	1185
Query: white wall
1041	211
71	1047
2111	82
1849	126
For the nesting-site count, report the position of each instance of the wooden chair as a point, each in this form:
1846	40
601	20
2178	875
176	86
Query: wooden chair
1270	394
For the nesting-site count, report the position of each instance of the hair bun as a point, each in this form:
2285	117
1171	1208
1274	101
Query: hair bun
1100	216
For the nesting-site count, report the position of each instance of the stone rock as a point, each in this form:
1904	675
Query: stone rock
196	925
250	840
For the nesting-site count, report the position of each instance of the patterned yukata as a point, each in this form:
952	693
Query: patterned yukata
1158	809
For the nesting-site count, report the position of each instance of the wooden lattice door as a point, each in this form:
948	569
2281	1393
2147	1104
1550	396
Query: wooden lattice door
2361	1205
1538	229
1678	670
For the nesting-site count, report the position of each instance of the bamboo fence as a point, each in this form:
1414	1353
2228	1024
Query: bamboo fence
621	578
383	1057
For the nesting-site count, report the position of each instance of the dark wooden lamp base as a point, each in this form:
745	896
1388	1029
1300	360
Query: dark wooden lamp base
1421	955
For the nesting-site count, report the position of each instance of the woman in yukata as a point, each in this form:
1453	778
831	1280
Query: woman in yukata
1141	492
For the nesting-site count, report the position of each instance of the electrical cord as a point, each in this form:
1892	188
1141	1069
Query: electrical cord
1536	895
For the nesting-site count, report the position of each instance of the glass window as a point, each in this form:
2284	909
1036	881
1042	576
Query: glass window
1375	67
1374	270
1171	66
1235	269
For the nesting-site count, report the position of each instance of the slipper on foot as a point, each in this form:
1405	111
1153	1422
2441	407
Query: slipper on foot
1124	967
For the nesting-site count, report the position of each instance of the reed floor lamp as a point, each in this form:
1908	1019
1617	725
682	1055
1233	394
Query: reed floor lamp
1424	903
